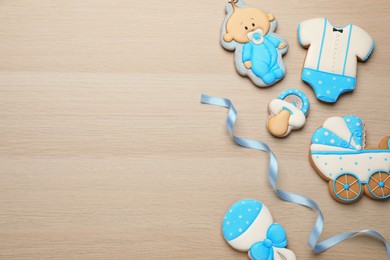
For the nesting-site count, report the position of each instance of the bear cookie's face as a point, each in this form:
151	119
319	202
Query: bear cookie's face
244	21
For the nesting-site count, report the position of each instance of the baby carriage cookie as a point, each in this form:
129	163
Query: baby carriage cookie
249	32
287	112
339	154
248	226
330	65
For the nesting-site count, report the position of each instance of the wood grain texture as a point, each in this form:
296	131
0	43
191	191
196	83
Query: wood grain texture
106	153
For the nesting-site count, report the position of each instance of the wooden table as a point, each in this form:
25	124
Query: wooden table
106	152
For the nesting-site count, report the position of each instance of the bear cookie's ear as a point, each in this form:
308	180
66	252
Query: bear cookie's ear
227	37
271	17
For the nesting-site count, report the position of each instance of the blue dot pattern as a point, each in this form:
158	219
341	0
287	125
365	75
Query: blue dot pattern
355	126
300	94
328	86
325	137
240	217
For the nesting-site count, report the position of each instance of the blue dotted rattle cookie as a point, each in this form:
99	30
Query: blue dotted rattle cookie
248	226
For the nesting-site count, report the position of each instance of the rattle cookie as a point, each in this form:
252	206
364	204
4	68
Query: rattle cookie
330	65
248	226
249	32
339	154
287	112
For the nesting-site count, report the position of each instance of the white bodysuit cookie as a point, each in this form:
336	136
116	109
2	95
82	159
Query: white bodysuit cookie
331	61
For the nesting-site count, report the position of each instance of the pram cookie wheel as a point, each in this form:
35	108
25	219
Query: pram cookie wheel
346	188
378	185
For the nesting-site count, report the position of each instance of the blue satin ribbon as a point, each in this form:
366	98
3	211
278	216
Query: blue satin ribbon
263	250
315	234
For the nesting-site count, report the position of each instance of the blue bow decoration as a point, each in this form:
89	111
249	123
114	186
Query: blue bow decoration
276	237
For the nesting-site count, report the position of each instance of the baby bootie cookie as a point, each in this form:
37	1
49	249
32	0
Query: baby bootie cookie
287	112
249	32
339	154
248	226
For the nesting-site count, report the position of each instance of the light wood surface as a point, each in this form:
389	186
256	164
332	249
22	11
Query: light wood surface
106	152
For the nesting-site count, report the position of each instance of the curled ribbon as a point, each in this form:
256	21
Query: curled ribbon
264	250
315	234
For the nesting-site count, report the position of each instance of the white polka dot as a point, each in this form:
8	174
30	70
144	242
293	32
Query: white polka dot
247	222
348	80
231	211
308	73
357	124
240	216
249	210
240	230
228	223
231	234
328	92
348	120
316	140
332	141
326	133
257	208
334	78
243	202
320	82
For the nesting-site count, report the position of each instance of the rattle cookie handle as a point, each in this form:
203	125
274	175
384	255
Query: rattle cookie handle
286	253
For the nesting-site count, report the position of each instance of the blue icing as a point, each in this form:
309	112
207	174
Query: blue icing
276	237
300	94
355	126
328	86
240	217
325	137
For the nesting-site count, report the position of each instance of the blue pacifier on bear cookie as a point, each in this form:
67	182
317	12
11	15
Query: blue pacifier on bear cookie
248	226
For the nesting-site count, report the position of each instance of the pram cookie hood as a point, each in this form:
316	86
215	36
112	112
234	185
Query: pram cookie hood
343	132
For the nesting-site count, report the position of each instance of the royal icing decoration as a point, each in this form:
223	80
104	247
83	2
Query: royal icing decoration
249	32
330	65
248	226
339	154
287	112
313	241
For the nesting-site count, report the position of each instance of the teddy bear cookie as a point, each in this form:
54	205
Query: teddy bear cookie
330	65
287	112
248	226
339	154
249	32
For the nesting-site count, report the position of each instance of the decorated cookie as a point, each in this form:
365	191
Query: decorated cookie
287	112
248	226
249	32
330	65
339	154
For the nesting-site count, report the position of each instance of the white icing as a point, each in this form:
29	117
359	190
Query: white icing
327	148
338	126
339	50
255	233
297	119
286	253
358	163
256	41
